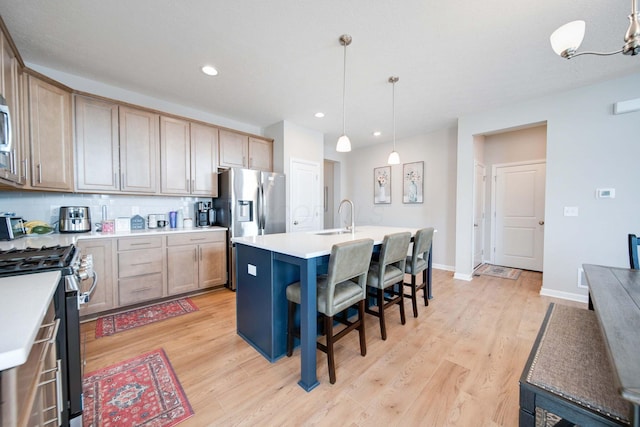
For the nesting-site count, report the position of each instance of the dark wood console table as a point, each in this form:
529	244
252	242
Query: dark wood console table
615	294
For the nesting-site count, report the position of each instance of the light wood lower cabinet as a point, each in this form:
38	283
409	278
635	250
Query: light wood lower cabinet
140	269
196	261
101	250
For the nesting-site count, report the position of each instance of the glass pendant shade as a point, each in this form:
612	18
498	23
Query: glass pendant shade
394	158
344	144
567	39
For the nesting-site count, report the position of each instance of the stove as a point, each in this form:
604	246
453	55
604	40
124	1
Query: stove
23	261
74	269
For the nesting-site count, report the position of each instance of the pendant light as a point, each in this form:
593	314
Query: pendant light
344	144
566	40
394	157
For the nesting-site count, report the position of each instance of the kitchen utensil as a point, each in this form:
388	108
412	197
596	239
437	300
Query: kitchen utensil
74	219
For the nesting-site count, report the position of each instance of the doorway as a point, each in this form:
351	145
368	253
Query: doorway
518	201
479	191
305	196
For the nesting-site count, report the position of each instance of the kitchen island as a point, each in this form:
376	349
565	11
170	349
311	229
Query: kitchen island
266	265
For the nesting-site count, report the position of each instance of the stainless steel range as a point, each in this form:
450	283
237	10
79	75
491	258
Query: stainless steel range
67	299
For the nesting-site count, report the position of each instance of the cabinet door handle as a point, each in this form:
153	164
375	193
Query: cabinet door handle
39	173
193	185
142	289
24	169
140	263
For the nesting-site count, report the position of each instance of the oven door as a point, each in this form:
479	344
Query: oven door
68	346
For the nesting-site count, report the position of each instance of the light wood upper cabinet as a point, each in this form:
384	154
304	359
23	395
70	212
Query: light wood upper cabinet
204	160
139	147
234	149
175	156
97	146
50	132
188	163
242	151
260	154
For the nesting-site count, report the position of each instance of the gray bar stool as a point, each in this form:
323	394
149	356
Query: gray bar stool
418	262
344	285
387	272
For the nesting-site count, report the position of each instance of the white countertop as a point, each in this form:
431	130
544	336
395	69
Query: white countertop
310	244
64	239
23	303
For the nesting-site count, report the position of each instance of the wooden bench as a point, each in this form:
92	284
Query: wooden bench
568	374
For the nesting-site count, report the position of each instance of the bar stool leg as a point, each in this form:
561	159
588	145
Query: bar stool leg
361	329
381	302
328	325
426	294
403	319
414	297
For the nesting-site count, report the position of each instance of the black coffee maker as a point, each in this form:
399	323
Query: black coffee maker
205	215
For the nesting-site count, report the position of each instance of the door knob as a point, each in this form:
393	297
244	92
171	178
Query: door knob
541	222
295	222
475	225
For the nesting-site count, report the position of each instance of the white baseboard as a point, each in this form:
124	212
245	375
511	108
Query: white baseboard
564	295
460	276
444	267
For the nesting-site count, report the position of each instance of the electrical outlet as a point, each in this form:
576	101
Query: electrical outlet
582	280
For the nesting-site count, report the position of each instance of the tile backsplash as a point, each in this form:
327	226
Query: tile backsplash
45	206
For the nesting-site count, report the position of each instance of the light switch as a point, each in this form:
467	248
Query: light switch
606	193
570	211
252	270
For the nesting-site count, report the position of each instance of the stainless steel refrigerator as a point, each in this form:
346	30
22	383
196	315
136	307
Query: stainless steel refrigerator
249	203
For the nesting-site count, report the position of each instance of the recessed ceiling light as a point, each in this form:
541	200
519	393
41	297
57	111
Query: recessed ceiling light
319	115
377	133
209	70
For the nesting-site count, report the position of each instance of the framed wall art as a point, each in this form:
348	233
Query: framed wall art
412	188
382	185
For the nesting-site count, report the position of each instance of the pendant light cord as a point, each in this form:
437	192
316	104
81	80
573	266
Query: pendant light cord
393	109
344	89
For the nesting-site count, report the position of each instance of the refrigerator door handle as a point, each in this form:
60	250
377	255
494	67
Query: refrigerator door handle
260	210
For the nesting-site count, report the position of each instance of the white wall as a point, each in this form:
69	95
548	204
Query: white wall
438	151
587	147
296	142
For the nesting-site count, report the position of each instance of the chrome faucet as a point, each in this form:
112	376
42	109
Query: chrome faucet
352	227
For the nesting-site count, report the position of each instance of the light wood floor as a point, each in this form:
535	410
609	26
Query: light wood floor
457	364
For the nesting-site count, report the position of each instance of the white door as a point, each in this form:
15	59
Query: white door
478	213
305	196
519	215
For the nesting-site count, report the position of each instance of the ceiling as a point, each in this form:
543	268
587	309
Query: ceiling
281	59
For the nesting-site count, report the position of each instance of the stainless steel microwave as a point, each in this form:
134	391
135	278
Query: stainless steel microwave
5	126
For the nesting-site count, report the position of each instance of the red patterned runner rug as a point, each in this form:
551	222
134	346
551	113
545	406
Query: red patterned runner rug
143	391
112	324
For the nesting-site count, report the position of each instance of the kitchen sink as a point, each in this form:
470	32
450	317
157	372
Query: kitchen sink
332	232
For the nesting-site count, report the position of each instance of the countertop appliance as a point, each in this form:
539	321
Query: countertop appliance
205	215
74	219
11	227
249	203
68	297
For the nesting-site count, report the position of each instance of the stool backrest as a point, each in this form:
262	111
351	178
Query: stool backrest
421	246
394	251
633	251
349	260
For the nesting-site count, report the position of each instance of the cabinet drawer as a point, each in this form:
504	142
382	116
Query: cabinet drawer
196	238
138	289
136	263
139	243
